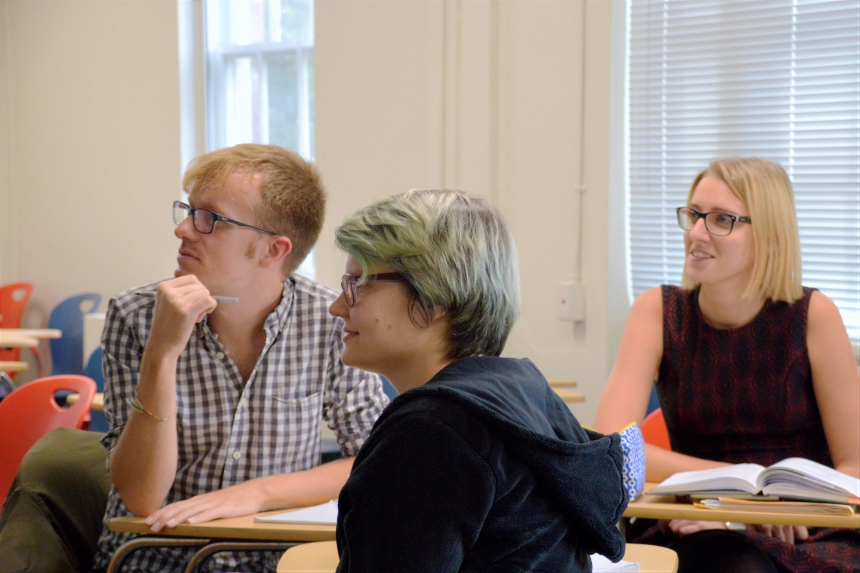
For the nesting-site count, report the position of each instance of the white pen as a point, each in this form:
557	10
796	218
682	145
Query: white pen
218	298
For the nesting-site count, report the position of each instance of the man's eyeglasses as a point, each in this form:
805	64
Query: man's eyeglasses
716	223
204	220
350	291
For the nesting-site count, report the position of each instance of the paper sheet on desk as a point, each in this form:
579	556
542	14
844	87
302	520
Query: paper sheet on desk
322	514
599	564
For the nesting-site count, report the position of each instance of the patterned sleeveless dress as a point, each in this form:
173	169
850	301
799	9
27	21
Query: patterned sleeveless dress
745	395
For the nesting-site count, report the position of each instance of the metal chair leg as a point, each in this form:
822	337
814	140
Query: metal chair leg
124	552
205	553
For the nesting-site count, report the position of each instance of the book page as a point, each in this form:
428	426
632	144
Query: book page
735	478
799	474
323	514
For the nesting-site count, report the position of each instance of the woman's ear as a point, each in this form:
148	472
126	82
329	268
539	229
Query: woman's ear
440	314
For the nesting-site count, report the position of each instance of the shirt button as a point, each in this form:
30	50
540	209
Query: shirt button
220	356
236	455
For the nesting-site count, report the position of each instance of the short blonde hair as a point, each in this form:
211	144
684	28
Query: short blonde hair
765	189
292	198
455	252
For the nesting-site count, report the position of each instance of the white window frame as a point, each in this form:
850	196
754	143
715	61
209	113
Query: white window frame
203	102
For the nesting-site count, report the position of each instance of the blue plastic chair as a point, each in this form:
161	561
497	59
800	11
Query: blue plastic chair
653	401
98	422
389	388
68	316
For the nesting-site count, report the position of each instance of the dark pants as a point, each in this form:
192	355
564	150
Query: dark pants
52	517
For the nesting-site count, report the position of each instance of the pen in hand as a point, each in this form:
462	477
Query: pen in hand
219	299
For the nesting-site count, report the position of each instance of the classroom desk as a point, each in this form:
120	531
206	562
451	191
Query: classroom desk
563	388
323	558
32	332
245	529
11	339
233	528
12	366
97	405
665	507
569	396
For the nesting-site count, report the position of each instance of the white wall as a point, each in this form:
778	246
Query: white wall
89	145
510	100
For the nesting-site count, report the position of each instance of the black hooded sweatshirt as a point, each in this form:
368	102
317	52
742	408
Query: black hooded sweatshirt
482	469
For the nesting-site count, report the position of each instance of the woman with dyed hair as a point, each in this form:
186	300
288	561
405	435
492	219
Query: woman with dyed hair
750	367
477	465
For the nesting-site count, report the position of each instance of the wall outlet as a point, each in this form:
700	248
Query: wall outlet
571	301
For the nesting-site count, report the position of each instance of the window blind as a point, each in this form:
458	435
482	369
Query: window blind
777	79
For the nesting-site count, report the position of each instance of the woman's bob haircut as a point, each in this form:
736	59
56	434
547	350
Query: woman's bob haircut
456	254
766	190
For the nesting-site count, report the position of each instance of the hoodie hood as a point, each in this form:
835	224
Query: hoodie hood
581	469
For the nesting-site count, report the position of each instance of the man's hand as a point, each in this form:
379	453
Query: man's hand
234	501
787	533
179	305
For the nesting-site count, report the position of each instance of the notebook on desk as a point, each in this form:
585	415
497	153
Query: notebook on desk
322	514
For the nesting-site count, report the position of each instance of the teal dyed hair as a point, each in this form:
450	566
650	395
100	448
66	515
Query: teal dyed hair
457	254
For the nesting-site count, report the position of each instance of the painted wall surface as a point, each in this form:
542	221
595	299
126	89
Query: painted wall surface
510	100
94	154
90	146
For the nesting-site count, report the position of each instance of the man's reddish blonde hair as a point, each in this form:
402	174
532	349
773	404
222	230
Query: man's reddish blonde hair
292	198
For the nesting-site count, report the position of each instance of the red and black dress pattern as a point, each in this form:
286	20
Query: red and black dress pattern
746	395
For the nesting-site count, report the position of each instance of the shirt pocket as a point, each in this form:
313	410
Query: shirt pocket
297	430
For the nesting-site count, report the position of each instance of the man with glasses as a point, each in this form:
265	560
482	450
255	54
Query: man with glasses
217	381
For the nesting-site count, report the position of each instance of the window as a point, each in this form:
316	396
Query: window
259	60
777	79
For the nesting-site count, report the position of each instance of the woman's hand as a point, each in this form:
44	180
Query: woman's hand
682	527
787	533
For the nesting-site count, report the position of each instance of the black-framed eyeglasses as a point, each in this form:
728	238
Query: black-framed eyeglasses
350	290
204	220
716	222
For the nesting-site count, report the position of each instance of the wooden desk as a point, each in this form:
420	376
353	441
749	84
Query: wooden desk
12	366
11	339
651	558
97	405
664	507
560	383
322	558
234	528
569	396
33	332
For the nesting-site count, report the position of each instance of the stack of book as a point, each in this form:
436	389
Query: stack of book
810	487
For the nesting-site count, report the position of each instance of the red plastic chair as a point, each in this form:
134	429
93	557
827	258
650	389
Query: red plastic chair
654	430
13	301
30	412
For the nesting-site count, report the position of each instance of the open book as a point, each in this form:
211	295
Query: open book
792	478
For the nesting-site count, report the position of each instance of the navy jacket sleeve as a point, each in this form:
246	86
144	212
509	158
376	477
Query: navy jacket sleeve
420	494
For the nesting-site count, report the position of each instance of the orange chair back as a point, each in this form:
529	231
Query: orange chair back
30	412
654	430
13	301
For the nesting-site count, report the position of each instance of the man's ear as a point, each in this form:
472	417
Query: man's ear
278	250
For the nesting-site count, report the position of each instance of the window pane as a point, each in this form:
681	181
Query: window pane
260	75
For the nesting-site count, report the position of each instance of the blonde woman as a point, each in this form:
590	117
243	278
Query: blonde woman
749	366
477	465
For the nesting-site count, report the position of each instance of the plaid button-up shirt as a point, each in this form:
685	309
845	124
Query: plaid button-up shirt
231	431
